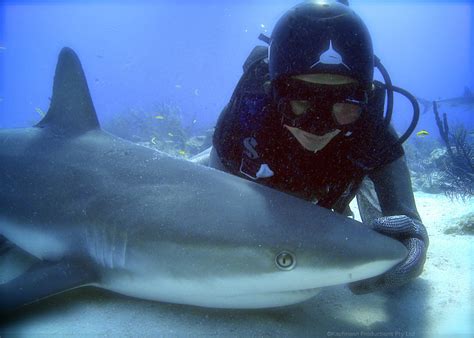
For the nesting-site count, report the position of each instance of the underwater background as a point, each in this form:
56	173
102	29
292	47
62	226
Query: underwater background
188	55
160	72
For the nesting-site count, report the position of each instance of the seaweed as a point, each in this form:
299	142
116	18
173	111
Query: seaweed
457	168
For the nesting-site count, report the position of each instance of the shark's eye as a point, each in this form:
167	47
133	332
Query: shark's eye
285	260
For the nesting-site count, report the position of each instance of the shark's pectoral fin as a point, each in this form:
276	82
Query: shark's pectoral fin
43	280
5	245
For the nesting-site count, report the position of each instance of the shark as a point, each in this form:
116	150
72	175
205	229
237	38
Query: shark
95	210
466	101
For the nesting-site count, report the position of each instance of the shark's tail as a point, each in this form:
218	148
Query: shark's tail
468	92
427	105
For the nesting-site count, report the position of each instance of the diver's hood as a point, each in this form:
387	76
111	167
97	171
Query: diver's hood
322	37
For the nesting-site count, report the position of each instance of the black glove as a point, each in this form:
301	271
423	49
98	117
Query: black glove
413	235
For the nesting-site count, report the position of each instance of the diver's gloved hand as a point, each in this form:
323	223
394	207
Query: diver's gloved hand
413	235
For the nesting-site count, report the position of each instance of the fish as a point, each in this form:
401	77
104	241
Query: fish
422	133
99	211
159	117
466	101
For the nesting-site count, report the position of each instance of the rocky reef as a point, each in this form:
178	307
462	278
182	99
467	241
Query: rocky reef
161	128
445	166
465	226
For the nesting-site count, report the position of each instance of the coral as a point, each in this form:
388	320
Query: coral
465	226
423	156
161	128
457	168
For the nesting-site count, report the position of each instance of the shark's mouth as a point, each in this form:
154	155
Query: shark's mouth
309	292
266	299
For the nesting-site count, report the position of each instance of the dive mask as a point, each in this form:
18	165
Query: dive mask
319	109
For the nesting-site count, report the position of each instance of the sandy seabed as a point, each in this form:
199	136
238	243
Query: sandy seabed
438	304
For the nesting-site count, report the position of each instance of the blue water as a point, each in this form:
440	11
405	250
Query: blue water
139	54
189	55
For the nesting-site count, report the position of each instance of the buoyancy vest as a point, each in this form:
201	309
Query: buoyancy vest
251	142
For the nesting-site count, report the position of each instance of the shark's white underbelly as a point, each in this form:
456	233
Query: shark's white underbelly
200	293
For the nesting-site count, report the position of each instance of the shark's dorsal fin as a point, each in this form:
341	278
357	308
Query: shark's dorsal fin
467	92
71	110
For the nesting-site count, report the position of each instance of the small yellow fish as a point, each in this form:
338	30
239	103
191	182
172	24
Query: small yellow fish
182	152
422	133
40	111
153	140
170	135
159	117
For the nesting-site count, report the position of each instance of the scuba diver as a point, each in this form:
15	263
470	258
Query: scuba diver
308	119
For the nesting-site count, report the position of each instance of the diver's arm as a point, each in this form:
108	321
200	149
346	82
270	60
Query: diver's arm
402	222
394	191
215	161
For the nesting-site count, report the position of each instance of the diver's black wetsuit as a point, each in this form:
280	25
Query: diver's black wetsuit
249	134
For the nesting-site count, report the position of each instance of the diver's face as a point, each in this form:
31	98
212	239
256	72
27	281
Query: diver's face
315	114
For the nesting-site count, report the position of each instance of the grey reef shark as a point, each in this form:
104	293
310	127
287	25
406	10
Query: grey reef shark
465	101
97	210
